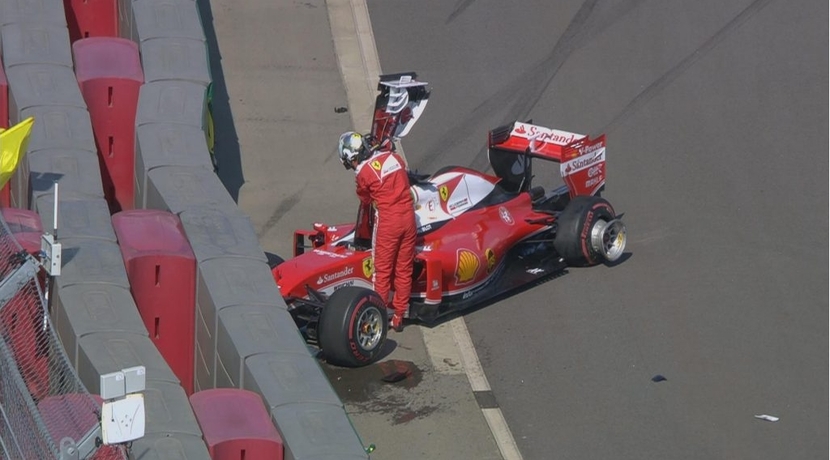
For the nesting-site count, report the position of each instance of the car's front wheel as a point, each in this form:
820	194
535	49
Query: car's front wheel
352	327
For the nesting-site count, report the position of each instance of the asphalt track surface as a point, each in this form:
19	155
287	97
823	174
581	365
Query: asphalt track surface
716	121
717	153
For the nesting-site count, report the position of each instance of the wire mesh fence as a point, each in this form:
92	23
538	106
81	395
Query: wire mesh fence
45	410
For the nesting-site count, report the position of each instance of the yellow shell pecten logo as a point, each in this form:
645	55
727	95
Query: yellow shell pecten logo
368	267
468	265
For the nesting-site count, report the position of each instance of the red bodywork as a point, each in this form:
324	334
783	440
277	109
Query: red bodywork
459	256
479	235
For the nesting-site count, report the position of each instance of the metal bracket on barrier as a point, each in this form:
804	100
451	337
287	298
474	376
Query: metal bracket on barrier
87	445
68	450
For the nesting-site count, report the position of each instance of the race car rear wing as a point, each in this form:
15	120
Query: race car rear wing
401	101
581	159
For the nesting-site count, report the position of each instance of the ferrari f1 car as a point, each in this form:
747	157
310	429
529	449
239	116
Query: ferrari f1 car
480	235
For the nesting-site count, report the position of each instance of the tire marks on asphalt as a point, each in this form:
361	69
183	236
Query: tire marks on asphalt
523	94
285	205
460	7
667	78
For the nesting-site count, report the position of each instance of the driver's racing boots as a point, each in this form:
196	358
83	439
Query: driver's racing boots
396	322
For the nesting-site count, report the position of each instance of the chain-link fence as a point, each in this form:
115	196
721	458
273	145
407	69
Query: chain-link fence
45	410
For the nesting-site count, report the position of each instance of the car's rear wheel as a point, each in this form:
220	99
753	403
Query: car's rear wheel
352	327
588	232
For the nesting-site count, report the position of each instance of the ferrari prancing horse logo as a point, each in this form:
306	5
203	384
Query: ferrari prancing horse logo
376	164
444	192
368	267
491	259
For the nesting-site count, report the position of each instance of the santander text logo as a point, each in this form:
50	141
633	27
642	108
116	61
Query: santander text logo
584	161
546	135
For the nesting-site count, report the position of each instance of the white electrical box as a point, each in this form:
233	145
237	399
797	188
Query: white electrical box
112	385
52	252
123	420
134	379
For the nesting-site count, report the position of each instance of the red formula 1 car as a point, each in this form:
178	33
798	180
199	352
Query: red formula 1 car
479	235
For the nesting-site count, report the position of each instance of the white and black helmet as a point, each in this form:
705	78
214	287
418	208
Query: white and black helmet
351	147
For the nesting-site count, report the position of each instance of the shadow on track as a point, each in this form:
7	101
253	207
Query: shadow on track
227	140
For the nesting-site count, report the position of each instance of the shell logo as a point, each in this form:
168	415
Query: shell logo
467	266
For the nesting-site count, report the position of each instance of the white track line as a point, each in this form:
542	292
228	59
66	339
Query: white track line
357	56
478	382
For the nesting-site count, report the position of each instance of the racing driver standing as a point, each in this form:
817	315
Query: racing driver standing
382	179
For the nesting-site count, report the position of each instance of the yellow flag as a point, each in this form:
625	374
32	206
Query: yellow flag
13	142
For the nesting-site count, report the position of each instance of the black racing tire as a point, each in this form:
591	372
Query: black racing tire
352	328
573	233
273	260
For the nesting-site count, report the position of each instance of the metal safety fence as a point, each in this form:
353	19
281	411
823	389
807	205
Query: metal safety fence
45	410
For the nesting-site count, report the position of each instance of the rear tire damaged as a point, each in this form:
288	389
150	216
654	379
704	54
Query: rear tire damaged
588	232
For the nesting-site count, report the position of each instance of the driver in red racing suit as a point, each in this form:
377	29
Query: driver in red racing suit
382	179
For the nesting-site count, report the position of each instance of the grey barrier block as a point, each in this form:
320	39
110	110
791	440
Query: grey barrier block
179	102
203	376
77	171
104	352
168	409
230	281
159	144
223	282
36	43
288	378
168	18
87	218
245	331
178	188
37	11
32	85
87	260
317	431
220	233
171	58
84	309
177	446
59	127
55	128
